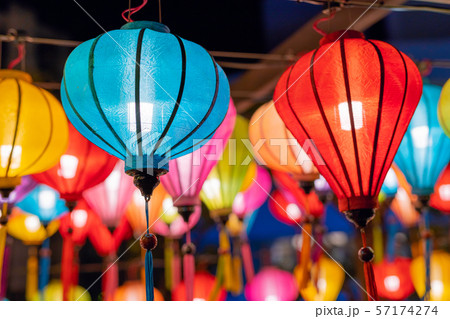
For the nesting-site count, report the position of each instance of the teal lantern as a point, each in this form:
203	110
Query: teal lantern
423	154
146	96
425	149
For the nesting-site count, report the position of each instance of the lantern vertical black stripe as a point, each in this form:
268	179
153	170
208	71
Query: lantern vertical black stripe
13	144
398	116
350	111
49	136
137	93
378	123
95	97
211	107
327	125
90	129
199	142
180	95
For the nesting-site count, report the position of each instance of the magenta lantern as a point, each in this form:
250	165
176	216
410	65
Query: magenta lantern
109	199
255	195
272	284
187	174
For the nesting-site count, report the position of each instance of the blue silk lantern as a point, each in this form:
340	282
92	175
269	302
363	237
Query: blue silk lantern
423	154
44	202
425	149
146	96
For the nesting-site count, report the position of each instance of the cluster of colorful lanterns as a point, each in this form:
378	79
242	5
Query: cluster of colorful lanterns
137	119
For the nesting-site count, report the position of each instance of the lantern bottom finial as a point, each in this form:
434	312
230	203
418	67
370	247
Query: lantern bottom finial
360	217
146	183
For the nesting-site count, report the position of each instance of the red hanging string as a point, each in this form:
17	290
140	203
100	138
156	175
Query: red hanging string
20	56
316	23
371	286
126	15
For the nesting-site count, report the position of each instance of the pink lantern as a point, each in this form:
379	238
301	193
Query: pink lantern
175	226
272	284
187	173
109	199
255	195
184	182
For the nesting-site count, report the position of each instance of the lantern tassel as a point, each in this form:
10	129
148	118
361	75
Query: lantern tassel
176	265
366	255
247	260
224	251
219	280
189	266
426	235
32	273
2	251
66	266
305	254
44	266
148	242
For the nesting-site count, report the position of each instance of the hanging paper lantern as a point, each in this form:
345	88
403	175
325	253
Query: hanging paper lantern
356	112
274	145
393	278
172	224
203	288
440	276
134	291
368	96
402	204
440	199
327	278
26	185
272	284
54	292
254	196
425	149
287	183
134	93
33	128
444	108
285	208
188	173
82	166
230	175
44	202
110	198
29	229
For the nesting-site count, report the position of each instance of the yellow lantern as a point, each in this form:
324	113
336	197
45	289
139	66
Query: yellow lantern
444	108
440	276
33	128
230	174
54	292
327	278
29	229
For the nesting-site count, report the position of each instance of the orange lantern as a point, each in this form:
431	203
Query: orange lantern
204	285
135	291
393	278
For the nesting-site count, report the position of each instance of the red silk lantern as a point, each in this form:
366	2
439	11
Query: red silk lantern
354	98
394	279
82	166
284	207
440	199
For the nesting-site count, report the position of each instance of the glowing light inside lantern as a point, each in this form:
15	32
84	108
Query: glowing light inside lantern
211	188
444	192
146	113
391	179
337	238
168	208
112	187
79	218
16	156
437	288
32	223
392	283
293	211
199	299
68	166
271	298
46	199
238	203
420	136
322	284
344	115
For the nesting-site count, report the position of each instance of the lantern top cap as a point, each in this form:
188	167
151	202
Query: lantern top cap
342	34
15	74
152	25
